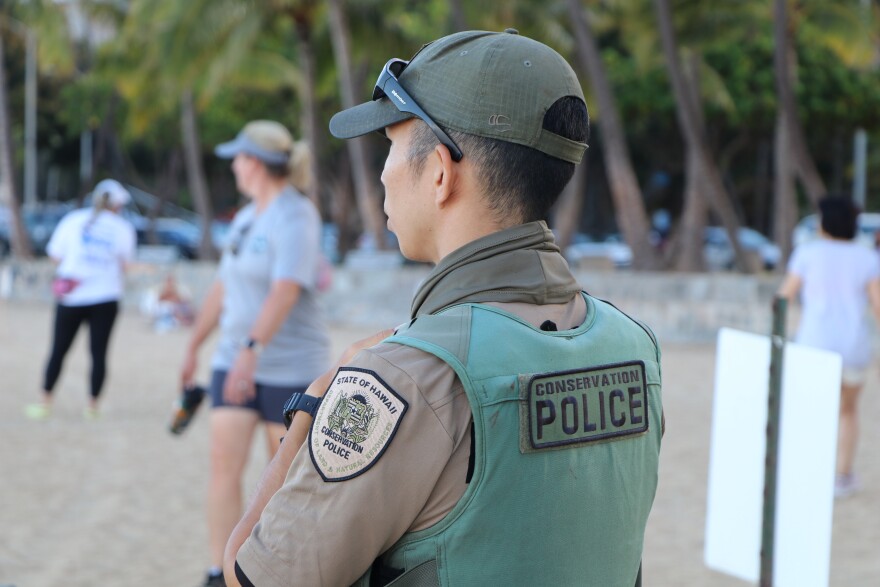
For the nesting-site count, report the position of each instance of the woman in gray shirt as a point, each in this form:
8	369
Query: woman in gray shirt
273	340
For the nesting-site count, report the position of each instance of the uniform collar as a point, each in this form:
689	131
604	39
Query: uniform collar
519	264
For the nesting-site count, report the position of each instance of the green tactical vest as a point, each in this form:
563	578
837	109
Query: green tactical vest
567	429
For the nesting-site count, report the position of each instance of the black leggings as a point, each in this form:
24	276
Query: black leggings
67	321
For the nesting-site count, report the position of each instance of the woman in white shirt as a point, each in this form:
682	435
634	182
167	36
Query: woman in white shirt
838	279
91	247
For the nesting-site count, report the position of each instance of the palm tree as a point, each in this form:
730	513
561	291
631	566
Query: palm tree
177	55
368	201
843	29
21	247
195	172
303	13
43	26
628	202
703	175
784	201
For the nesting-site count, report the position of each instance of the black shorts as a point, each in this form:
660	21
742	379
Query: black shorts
269	402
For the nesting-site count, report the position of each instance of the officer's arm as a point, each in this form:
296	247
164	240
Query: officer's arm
271	482
275	473
365	475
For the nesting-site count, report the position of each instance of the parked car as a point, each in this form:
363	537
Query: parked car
609	251
718	252
158	222
39	223
869	227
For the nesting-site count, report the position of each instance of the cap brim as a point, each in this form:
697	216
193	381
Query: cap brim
229	149
364	118
242	144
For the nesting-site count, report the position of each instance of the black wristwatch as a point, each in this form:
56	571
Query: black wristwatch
300	402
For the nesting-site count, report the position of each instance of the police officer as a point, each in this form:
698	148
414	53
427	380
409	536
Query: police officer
509	433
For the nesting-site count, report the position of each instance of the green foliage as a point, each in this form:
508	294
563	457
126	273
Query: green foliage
241	60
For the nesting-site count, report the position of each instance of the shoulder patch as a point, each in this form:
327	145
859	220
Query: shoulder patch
356	422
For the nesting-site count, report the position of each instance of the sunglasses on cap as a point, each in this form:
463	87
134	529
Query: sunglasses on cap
388	86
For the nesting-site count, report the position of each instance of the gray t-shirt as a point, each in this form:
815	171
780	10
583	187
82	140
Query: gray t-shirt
281	243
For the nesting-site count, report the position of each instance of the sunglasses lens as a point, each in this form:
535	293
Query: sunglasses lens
397	66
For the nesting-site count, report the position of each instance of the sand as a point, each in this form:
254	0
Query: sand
120	501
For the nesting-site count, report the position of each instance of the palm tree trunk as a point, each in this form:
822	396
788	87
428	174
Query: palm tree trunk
784	202
567	214
688	241
628	204
303	21
784	207
368	202
459	21
21	247
785	65
689	113
195	173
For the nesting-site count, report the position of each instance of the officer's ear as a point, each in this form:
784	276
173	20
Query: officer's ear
446	174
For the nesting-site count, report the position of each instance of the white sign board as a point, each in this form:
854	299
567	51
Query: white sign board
807	453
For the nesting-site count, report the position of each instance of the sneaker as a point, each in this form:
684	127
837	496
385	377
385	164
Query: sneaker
214	581
38	411
186	408
845	485
91	413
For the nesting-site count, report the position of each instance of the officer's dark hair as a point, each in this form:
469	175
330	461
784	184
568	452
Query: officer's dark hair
839	217
521	183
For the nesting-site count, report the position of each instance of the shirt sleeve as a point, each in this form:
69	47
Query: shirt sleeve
797	263
128	244
58	242
296	246
360	481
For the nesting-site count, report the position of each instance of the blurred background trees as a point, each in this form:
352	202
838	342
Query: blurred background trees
736	115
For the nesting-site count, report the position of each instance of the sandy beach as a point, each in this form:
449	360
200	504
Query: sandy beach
119	501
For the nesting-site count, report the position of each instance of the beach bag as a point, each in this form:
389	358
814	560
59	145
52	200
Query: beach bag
61	286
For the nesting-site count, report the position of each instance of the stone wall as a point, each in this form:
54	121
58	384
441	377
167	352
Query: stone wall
679	307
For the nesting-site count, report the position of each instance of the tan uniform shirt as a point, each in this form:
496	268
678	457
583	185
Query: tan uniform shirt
319	532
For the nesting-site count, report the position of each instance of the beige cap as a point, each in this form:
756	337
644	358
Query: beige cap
267	140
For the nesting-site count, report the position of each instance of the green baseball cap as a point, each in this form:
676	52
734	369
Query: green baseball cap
494	85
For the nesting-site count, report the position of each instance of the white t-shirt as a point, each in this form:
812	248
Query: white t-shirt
283	242
92	249
834	297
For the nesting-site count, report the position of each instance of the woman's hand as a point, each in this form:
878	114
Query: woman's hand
188	370
239	386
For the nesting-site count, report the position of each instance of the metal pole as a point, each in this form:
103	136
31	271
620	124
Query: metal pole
30	120
860	146
774	401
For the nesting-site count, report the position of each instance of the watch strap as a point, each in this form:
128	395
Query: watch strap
253	345
300	402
